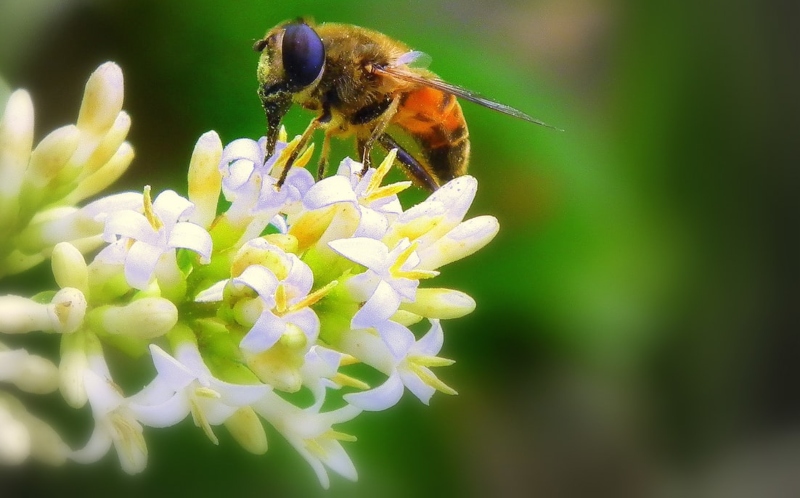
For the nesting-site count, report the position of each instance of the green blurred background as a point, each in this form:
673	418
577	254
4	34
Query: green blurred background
637	323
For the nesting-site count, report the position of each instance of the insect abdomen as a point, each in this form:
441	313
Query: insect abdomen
435	120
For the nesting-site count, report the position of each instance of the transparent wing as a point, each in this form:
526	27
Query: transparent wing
404	74
414	58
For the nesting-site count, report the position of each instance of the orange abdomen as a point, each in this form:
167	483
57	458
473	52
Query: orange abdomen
435	120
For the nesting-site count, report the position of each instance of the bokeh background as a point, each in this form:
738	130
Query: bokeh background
637	329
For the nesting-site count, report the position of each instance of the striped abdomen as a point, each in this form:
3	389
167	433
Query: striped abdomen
435	120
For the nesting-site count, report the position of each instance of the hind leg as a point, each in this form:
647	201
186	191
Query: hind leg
413	168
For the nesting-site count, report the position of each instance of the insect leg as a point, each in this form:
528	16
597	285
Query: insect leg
319	121
323	157
412	167
365	147
304	138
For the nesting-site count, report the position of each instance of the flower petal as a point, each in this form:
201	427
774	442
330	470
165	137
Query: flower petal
191	236
259	279
460	242
264	334
308	322
417	387
212	294
170	370
164	414
243	148
367	252
397	338
237	395
329	191
129	224
141	263
380	398
171	207
383	303
98	445
372	224
431	343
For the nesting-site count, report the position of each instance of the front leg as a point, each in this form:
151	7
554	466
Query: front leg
324	154
318	122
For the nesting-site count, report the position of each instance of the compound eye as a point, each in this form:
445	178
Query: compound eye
303	54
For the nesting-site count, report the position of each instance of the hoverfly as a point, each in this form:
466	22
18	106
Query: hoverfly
360	82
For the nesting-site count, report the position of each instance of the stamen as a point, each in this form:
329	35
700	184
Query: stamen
151	216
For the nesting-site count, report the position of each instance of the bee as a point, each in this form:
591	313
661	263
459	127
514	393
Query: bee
360	82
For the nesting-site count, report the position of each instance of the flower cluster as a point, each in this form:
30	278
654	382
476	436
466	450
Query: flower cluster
252	309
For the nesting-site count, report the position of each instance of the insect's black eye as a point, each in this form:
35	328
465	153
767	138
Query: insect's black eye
303	54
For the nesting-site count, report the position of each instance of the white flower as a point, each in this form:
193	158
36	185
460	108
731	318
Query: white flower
184	385
435	226
115	425
248	184
320	367
283	284
312	435
372	206
250	321
282	308
411	371
390	279
154	238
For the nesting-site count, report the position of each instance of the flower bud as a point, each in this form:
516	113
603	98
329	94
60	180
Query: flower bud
69	267
109	145
460	242
205	180
50	155
102	99
245	427
31	373
74	362
46	445
15	440
106	174
16	140
67	311
19	315
440	303
144	318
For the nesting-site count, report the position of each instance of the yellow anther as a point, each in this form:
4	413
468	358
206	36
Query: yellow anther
301	161
280	299
339	436
346	380
207	392
431	380
151	216
312	298
431	361
387	191
381	172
